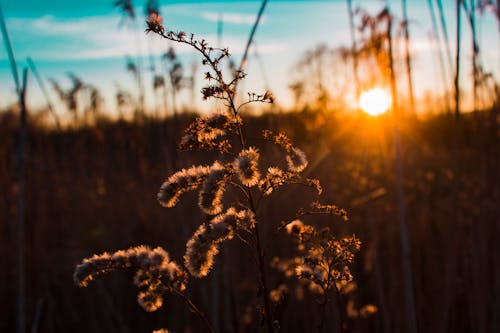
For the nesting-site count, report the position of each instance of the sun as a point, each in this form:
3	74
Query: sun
375	101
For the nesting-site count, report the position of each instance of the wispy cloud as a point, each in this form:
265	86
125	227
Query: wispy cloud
231	18
100	37
49	25
423	45
111	46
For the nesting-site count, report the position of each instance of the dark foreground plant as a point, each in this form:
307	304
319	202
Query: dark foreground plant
231	192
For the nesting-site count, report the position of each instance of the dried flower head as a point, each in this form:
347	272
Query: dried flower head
323	261
210	196
181	182
296	160
202	248
150	301
154	23
208	133
275	178
267	97
155	274
281	139
246	166
330	209
296	227
200	253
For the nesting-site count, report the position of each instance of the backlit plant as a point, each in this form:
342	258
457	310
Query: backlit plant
231	192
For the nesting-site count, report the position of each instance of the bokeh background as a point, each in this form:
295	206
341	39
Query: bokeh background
81	163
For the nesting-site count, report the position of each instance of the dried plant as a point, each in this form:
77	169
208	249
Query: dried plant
231	192
81	98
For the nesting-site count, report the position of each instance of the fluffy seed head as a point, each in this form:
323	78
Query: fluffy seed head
207	132
202	248
200	253
181	182
210	196
217	120
155	274
246	166
297	160
149	301
295	227
275	178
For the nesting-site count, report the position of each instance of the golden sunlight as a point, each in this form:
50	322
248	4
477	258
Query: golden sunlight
375	101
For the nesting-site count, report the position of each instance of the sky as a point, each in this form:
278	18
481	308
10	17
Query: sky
88	38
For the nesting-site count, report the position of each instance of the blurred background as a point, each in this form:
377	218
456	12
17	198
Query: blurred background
396	104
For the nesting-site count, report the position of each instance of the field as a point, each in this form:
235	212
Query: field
93	189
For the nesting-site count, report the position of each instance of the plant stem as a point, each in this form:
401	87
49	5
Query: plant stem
252	33
339	305
445	34
437	41
354	51
260	253
407	55
263	279
456	81
39	80
261	260
405	246
196	311
10	53
21	93
21	271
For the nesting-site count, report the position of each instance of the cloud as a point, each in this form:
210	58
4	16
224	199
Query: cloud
231	18
50	26
100	37
109	46
423	45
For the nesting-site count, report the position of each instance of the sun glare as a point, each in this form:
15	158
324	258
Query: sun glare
375	101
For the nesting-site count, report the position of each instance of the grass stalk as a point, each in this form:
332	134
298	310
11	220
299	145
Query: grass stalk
259	249
405	246
243	62
10	53
21	92
21	291
43	88
437	41
354	52
456	80
444	29
408	55
451	267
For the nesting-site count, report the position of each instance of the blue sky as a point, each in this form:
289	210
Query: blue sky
84	37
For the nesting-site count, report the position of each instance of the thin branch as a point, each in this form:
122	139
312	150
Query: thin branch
195	310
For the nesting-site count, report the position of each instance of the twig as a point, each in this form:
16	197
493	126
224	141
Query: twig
195	310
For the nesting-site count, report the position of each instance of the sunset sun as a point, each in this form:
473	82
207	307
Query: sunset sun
375	101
